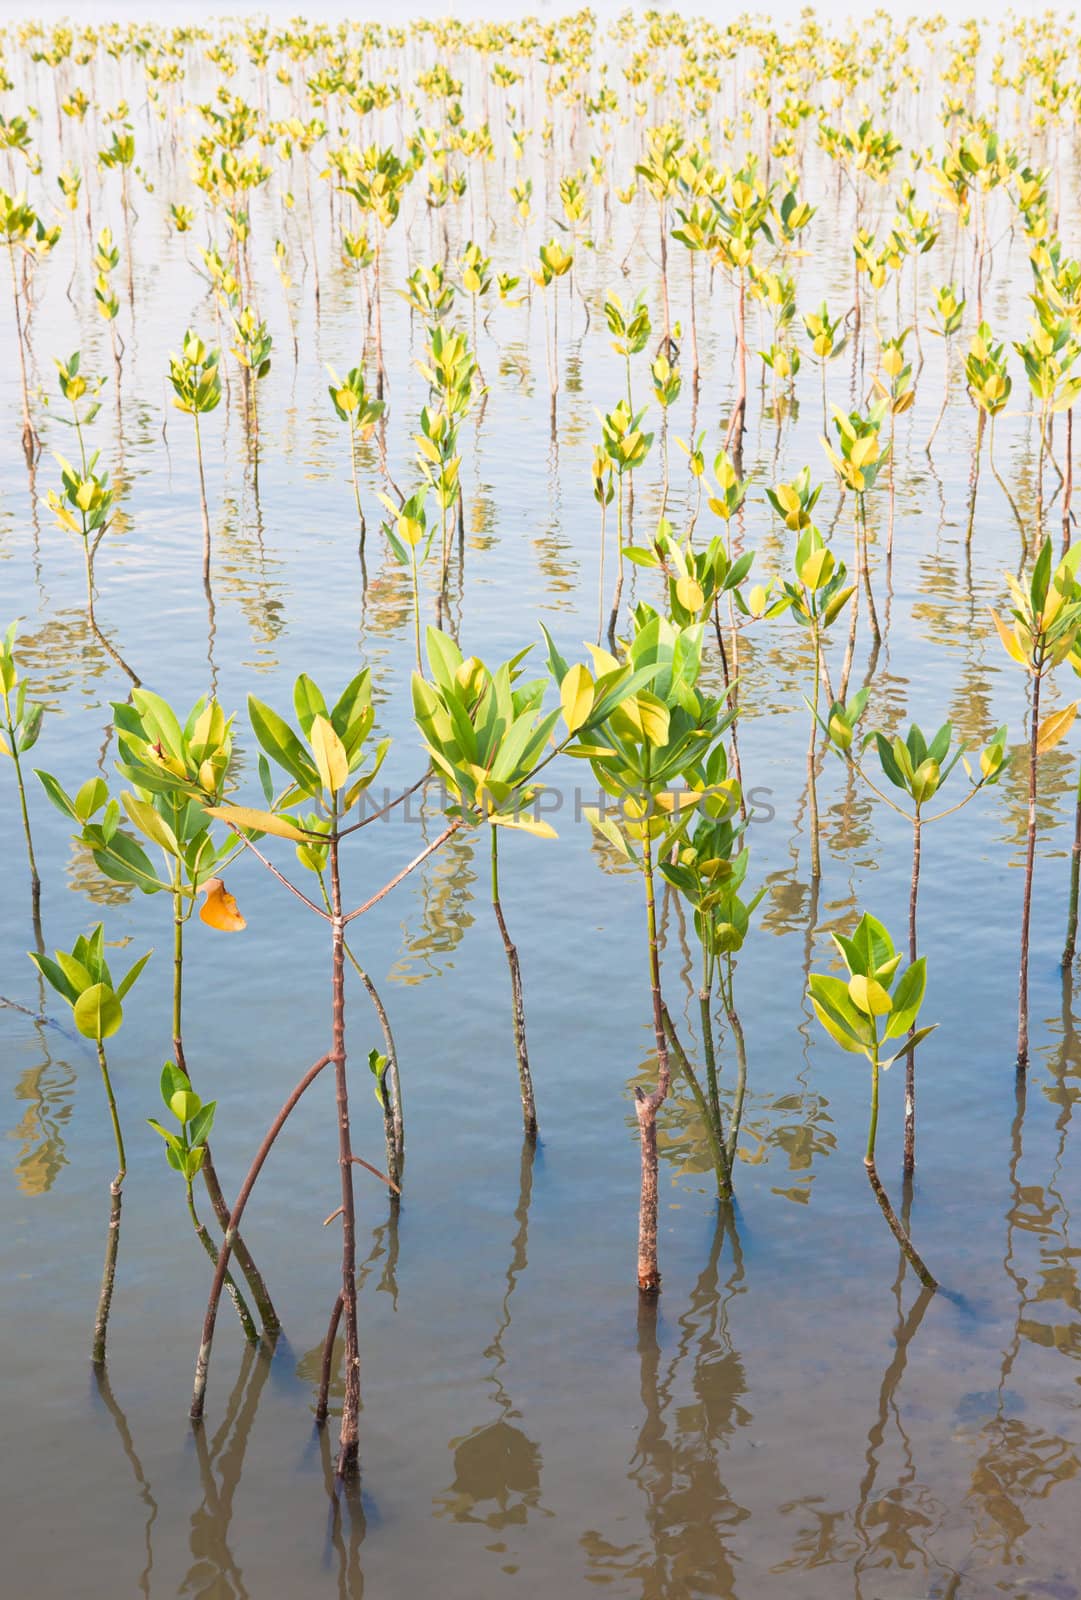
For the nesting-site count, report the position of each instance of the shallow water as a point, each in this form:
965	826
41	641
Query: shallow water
792	1418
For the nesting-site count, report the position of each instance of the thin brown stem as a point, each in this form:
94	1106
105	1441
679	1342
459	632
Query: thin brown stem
202	1364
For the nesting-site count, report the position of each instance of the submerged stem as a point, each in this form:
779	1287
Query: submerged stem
525	1076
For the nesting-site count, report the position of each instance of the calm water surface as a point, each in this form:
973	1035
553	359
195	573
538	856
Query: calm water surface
793	1420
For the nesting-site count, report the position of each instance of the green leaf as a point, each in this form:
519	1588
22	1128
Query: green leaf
90	797
444	656
282	745
837	1014
172	1079
77	974
201	1123
128	980
907	998
377	1066
172	1142
57	795
125	861
1041	577
150	823
98	1012
607	827
56	976
159	720
185	1104
309	703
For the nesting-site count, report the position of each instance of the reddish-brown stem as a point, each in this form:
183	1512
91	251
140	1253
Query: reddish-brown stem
646	1105
202	1364
912	1255
396	880
271	868
1030	863
323	1402
349	1441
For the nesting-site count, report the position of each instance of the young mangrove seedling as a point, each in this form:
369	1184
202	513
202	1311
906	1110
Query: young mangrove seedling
21	727
650	751
487	735
186	1152
173	769
352	405
196	380
81	976
1046	623
919	769
709	873
816	599
862	1015
328	771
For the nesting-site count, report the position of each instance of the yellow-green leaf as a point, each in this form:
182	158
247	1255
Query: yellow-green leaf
576	696
1009	641
263	821
330	756
689	594
869	996
1053	729
542	830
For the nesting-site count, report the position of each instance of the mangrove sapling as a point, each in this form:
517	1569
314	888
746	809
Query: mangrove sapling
1045	629
708	873
948	312
81	976
106	261
825	344
743	211
667	384
851	1012
23	232
174	769
898	394
919	769
626	446
87	505
1070	947
630	330
697	224
989	386
660	174
313	854
351	403
698	581
1048	353
603	494
120	155
640	748
857	463
21	727
196	380
476	271
186	1152
252	346
328	774
555	263
486	733
816	599
410	533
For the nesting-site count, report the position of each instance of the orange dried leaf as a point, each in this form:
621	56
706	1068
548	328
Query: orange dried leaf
220	908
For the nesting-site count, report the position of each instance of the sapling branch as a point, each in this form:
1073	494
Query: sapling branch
235	1295
404	873
221	1265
